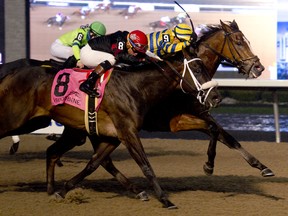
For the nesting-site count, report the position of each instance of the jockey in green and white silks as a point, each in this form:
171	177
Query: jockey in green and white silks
70	43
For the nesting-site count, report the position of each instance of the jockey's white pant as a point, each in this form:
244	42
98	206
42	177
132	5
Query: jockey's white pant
91	58
61	51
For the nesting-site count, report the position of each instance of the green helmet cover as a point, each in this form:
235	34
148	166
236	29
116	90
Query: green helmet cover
98	28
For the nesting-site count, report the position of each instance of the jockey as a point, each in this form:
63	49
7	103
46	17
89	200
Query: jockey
85	10
102	53
67	47
171	40
59	16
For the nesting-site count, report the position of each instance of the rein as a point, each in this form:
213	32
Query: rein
234	61
202	95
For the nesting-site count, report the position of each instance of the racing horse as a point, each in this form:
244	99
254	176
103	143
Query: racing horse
82	12
128	97
57	21
167	22
130	12
104	7
217	43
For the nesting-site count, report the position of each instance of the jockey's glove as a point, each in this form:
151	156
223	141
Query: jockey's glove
193	37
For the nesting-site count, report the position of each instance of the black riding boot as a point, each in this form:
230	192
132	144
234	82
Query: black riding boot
88	85
71	62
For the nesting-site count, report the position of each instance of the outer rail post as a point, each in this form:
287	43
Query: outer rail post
276	116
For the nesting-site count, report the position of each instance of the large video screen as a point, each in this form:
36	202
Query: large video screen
258	22
282	50
2	32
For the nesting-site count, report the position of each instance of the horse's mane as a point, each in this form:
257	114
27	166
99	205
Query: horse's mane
206	30
10	67
143	66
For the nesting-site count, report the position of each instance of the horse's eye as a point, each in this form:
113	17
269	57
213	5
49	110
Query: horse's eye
239	42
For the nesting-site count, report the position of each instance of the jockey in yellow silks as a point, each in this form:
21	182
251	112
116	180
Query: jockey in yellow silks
170	40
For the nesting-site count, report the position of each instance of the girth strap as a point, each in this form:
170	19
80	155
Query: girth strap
92	115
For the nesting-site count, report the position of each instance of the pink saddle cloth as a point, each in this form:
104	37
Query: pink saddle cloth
65	87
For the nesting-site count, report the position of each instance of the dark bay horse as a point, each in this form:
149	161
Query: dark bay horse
218	42
25	93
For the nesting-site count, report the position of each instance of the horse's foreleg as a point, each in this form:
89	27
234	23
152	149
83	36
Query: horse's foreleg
229	141
211	152
104	150
137	152
108	165
186	122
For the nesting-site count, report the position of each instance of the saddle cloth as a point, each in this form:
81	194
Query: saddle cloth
65	87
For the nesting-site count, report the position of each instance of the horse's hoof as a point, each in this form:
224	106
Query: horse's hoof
143	196
167	204
172	207
59	163
208	170
58	195
50	191
53	137
14	148
267	172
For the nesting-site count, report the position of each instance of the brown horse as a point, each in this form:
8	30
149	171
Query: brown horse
218	42
25	93
130	12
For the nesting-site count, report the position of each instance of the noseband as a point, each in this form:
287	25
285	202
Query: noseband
237	63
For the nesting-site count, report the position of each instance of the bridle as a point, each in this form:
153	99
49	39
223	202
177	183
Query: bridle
203	90
238	63
202	93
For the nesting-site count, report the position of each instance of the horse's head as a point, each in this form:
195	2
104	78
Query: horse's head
230	44
195	79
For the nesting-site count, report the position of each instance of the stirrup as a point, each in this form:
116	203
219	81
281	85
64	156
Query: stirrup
88	91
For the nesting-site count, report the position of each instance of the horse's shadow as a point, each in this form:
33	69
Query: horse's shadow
229	185
85	155
232	185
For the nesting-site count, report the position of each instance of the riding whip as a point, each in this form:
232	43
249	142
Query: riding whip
192	26
194	35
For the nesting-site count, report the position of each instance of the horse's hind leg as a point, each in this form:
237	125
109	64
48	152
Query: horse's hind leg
229	141
69	139
108	165
104	150
14	147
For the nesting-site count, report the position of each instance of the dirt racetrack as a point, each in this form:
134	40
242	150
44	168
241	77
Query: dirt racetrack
234	189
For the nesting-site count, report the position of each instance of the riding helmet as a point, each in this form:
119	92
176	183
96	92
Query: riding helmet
138	41
98	28
183	31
